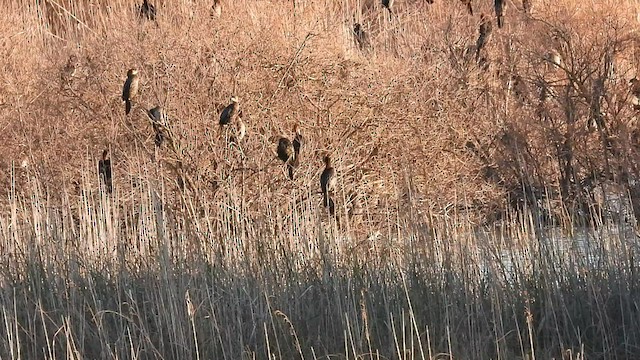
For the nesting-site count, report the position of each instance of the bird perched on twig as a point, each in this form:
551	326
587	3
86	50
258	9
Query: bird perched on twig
484	34
469	6
147	10
286	153
328	180
130	89
500	7
104	171
230	112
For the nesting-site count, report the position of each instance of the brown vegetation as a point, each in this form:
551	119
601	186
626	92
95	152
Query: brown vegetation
449	124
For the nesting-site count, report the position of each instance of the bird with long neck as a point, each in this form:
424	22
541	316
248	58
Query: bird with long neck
286	153
327	179
130	89
229	113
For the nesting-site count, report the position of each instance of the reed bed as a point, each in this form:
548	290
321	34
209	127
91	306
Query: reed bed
109	278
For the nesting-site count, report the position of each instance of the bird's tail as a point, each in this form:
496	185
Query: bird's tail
159	138
108	183
329	204
127	106
500	21
470	8
290	168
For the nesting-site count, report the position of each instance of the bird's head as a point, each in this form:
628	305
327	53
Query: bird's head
105	153
132	72
234	99
296	129
327	160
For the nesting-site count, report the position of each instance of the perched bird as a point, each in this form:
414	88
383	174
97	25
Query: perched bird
327	179
104	171
469	6
147	11
286	153
216	8
361	37
230	112
486	28
130	89
500	6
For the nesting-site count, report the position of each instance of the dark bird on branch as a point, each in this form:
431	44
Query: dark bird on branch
130	89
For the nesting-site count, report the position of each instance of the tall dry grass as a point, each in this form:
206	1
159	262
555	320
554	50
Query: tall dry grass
206	250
